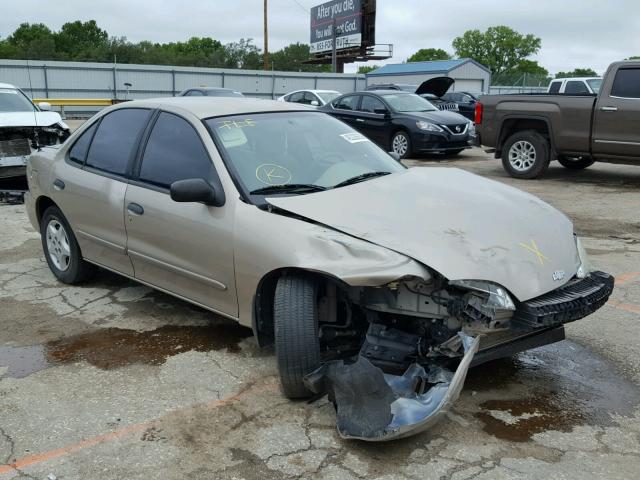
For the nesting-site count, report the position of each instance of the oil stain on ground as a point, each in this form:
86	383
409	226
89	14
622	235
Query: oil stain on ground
115	347
556	387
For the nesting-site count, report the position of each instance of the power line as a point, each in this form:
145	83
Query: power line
301	6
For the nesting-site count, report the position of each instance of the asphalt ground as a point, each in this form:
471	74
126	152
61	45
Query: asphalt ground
112	380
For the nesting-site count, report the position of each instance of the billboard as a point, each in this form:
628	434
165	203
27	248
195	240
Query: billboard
347	17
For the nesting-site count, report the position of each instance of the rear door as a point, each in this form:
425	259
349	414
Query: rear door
90	186
183	248
374	124
616	128
346	109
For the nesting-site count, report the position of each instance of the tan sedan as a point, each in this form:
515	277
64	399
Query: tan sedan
370	278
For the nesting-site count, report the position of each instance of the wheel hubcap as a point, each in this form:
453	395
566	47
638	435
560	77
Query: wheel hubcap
58	245
522	155
400	144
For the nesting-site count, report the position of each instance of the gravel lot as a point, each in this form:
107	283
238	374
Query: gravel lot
113	380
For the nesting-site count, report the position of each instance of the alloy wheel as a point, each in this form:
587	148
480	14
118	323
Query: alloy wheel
522	155
58	245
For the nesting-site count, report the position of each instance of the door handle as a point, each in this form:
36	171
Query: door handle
361	120
58	184
135	209
609	109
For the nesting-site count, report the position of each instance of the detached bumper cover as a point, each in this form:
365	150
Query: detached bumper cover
572	301
376	407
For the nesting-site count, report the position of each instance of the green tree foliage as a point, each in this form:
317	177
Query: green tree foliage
367	68
633	58
501	49
427	54
578	72
86	41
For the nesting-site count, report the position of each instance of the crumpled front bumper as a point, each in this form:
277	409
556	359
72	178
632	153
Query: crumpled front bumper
374	406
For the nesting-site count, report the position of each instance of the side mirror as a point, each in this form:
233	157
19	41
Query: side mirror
315	103
394	155
44	106
196	190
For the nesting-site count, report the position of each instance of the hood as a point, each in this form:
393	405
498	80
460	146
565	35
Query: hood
461	225
29	119
437	86
440	117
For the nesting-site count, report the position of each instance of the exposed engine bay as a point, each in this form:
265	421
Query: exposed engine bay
395	357
16	144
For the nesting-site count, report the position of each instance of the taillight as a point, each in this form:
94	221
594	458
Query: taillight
478	116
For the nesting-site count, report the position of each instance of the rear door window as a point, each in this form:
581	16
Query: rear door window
297	97
174	152
78	153
576	86
116	139
371	104
194	93
626	83
555	87
350	102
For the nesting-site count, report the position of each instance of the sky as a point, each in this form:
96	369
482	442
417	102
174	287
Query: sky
574	33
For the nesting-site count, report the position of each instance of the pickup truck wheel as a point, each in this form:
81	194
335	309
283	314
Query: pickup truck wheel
526	154
61	249
295	311
575	163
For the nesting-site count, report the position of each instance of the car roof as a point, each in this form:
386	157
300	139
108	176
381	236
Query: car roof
205	107
575	78
8	85
313	91
388	91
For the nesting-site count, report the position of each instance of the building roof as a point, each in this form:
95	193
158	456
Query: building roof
435	66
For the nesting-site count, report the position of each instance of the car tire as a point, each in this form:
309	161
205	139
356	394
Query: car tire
401	144
297	343
575	163
526	154
61	249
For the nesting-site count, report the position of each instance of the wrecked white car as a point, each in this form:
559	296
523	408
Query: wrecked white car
23	128
378	285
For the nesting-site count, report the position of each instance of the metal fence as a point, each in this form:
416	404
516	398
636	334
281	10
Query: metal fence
498	89
102	80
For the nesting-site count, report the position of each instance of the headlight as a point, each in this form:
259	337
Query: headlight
585	265
429	127
497	297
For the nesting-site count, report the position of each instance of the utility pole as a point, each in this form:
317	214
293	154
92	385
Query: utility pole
266	39
334	55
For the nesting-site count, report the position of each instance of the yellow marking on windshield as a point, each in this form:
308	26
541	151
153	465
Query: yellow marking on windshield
231	124
273	174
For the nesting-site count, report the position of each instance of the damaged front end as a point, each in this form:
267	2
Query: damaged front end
396	356
16	144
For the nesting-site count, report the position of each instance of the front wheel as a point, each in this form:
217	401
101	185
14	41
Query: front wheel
401	144
526	154
295	312
61	248
575	163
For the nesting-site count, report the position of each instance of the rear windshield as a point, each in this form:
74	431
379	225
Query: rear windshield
328	96
595	84
13	100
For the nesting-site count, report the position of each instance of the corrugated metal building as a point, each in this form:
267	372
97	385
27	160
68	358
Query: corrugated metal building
469	75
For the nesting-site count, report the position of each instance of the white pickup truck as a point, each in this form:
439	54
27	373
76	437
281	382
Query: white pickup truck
575	86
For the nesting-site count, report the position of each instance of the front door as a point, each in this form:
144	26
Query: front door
374	123
183	248
90	186
346	109
616	124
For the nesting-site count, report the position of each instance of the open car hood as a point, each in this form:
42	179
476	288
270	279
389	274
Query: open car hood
463	226
437	86
29	119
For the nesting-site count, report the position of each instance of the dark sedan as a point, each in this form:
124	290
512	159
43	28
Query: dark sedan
210	92
466	102
403	122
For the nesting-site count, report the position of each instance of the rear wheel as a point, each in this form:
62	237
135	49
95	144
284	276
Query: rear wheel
526	154
296	332
575	163
401	144
61	248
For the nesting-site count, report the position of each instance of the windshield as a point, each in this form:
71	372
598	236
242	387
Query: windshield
328	96
595	84
296	148
408	102
13	100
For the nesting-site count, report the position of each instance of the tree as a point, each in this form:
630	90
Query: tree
81	41
633	58
242	54
367	68
578	72
501	49
531	67
426	54
31	41
290	59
